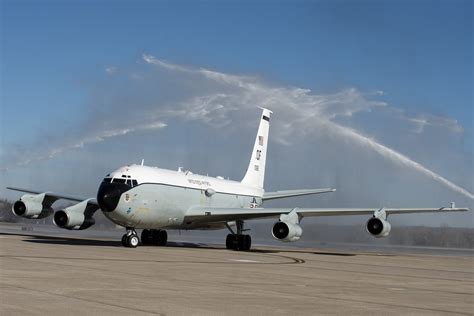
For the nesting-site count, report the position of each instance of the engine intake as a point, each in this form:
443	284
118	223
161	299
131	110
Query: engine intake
378	227
287	232
19	208
76	217
72	220
32	206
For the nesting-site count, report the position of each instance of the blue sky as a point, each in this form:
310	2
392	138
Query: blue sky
418	52
55	86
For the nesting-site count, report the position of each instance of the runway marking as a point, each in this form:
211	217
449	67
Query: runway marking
291	260
396	289
244	260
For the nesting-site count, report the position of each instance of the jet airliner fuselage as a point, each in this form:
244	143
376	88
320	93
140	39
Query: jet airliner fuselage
150	198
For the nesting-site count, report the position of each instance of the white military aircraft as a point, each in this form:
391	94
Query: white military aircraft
153	199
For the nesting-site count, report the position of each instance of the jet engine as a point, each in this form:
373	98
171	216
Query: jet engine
76	217
378	227
33	206
287	232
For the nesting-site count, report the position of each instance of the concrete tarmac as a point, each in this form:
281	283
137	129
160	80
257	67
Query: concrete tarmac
52	275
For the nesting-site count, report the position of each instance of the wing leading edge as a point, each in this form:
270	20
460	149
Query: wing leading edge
55	196
212	215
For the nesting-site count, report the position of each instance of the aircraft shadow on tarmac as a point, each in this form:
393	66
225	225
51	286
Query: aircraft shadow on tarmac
57	240
53	240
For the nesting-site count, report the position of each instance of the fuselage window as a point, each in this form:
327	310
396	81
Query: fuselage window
134	183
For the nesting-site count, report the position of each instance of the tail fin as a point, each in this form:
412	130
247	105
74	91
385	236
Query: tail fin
255	175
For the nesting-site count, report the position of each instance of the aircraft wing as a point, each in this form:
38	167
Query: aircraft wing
55	196
212	215
291	193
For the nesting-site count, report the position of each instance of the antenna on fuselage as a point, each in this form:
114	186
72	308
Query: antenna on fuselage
143	161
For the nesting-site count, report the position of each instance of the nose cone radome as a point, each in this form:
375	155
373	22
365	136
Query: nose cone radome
109	194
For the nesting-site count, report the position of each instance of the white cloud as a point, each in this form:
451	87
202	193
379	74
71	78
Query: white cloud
425	120
111	70
421	121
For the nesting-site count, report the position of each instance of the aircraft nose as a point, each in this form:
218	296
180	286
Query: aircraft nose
109	194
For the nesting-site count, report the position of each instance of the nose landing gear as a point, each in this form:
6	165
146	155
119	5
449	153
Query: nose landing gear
130	239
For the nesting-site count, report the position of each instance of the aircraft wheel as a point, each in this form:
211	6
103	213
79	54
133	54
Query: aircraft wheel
132	241
146	237
248	242
163	238
229	241
244	242
159	237
124	240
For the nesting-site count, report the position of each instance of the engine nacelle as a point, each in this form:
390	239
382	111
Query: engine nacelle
76	217
378	227
32	206
287	232
72	220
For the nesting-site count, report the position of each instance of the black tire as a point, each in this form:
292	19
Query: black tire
163	238
159	237
248	242
240	242
244	242
124	240
146	237
229	241
155	236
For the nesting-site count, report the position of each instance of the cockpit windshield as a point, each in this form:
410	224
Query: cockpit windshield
128	181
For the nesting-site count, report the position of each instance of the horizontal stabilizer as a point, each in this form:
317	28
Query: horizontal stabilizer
291	193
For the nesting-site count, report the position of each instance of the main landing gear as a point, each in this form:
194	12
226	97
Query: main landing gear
155	237
238	241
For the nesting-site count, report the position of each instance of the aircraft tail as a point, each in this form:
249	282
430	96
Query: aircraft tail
255	175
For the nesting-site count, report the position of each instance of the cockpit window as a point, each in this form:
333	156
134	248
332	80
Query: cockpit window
130	182
118	180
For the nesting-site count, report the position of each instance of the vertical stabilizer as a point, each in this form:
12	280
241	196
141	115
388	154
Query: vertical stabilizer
256	170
